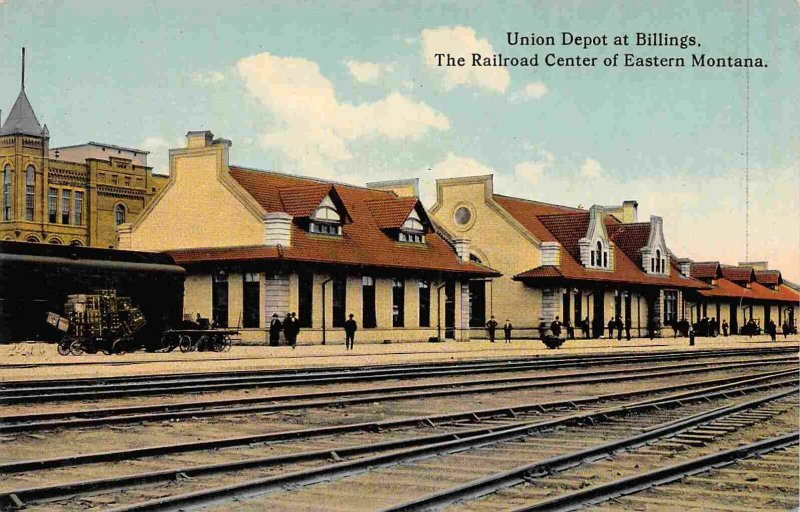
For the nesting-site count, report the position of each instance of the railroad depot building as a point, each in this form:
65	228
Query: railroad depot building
563	261
740	293
257	243
73	195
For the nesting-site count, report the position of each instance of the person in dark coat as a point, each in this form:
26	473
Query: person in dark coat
619	326
585	327
290	329
507	328
350	328
772	330
555	328
491	325
785	329
295	329
274	331
611	324
725	328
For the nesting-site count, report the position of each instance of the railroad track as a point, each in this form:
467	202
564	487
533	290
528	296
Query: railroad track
457	437
95	417
38	391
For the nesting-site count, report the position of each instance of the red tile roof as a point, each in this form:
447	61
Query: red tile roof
362	243
706	270
569	228
729	290
391	213
769	277
527	213
739	274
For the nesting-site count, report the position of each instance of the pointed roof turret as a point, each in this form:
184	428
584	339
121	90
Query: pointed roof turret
21	119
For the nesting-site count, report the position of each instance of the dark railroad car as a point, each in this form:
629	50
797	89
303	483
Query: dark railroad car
36	278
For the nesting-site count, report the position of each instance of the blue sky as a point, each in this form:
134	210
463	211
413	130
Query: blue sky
345	90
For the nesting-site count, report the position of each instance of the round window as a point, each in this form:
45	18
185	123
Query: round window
463	215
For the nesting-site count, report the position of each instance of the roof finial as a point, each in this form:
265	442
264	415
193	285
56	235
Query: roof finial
23	68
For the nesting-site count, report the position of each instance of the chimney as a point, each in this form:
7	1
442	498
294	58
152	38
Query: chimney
278	229
685	265
462	248
125	236
199	139
551	253
630	212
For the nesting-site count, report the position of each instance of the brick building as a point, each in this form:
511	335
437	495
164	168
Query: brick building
560	261
72	195
257	243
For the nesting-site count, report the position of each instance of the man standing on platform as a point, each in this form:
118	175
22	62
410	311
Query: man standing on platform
350	328
274	331
491	326
507	328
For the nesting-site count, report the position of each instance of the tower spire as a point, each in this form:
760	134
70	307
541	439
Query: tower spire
23	68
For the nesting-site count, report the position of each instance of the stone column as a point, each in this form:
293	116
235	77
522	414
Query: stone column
465	303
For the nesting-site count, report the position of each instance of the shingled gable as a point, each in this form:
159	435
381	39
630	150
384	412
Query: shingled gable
391	213
363	244
769	277
706	270
738	274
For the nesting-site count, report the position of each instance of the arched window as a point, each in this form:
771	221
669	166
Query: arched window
55	241
7	192
76	243
119	214
32	239
30	192
412	229
658	261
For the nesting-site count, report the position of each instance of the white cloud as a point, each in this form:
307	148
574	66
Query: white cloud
408	84
367	72
314	127
212	77
462	41
159	148
591	168
535	90
532	170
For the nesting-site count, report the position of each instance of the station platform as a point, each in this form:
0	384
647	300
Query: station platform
23	361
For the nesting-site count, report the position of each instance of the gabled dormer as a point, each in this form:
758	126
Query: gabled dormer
403	219
316	208
596	250
743	276
655	257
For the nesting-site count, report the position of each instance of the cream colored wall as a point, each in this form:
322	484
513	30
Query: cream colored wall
197	210
197	295
500	246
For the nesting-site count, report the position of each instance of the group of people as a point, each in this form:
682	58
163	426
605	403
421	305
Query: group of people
290	327
491	327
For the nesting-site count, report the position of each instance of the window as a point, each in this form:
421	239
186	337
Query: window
339	301
424	304
114	179
76	243
30	185
52	206
462	216
305	298
599	256
55	241
398	303
77	209
219	298
670	307
324	228
251	293
416	238
66	198
119	214
7	192
477	303
368	317
658	261
32	239
127	181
